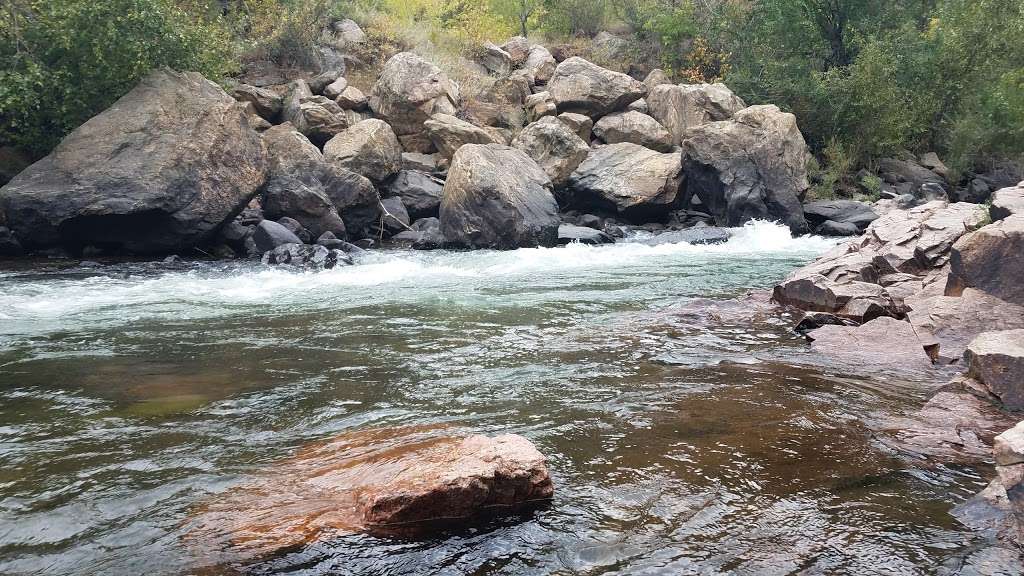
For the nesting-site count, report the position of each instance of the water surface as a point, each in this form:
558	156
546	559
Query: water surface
688	432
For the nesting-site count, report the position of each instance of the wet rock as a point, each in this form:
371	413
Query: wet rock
567	234
420	193
992	260
751	167
1007	202
633	127
585	88
859	214
996	359
706	235
314	256
554	147
9	245
449	133
881	343
267	103
686	106
268	235
369	148
813	320
409	91
629	178
391	481
497	197
159	171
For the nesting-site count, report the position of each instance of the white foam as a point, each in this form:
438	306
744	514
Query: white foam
378	277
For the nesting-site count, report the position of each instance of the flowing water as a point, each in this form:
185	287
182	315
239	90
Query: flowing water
687	430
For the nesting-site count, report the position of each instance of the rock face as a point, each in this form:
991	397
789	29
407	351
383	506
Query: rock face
634	180
999	508
409	91
751	167
991	260
633	127
497	197
385	481
686	106
369	148
952	322
996	359
449	133
585	88
159	171
554	146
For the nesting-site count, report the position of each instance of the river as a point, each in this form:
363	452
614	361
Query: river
687	432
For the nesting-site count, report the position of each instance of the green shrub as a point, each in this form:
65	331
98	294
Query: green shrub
71	59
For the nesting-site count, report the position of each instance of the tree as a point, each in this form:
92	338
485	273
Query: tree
520	11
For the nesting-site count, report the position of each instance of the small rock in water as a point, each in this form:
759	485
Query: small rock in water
385	481
307	256
567	234
705	235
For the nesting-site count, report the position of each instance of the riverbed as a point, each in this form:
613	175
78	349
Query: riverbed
688	431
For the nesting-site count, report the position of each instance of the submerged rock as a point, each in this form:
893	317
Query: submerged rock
567	234
704	235
387	481
881	343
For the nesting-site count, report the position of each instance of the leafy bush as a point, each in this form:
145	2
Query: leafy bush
63	62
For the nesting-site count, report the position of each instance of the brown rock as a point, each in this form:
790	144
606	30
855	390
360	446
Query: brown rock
684	107
581	124
586	88
368	148
396	481
996	359
1007	202
992	260
884	343
449	133
951	322
554	146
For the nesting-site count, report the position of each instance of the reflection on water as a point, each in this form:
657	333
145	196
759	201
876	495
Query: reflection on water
682	432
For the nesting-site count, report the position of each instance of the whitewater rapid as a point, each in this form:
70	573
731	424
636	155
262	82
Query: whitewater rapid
119	295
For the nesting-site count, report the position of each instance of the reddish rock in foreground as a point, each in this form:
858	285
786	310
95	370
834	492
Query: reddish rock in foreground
376	481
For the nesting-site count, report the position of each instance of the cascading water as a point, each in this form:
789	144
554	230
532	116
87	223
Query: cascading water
684	436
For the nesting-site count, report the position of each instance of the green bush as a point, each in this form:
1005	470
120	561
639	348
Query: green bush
63	62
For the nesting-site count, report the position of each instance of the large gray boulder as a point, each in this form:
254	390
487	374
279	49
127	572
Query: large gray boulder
633	127
369	148
409	91
269	235
159	171
753	166
991	260
554	146
859	214
295	183
420	193
497	197
680	108
586	88
449	133
635	181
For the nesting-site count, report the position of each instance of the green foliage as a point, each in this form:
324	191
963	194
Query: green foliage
575	17
65	61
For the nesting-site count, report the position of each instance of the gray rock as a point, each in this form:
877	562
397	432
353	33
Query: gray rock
419	162
567	234
395	218
539	64
706	235
996	359
539	105
368	148
751	167
636	181
420	193
586	88
157	172
335	89
352	98
684	107
449	133
409	91
636	128
497	197
265	102
517	47
896	172
833	228
554	147
307	256
9	245
425	235
853	212
581	124
269	235
1007	202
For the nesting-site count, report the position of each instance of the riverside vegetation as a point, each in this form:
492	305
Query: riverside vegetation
293	136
